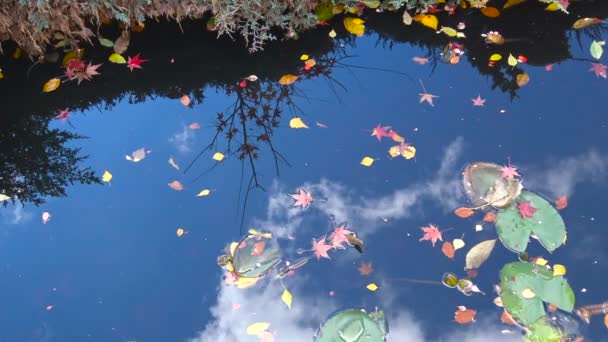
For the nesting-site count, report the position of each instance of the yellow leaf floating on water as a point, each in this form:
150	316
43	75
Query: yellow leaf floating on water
528	293
585	22
1	74
495	57
3	197
354	25
288	79
511	3
287	298
204	193
256	328
552	7
408	152
512	60
304	57
458	244
367	161
559	270
541	261
372	287
106	177
179	232
427	20
218	156
332	34
116	58
297	123
51	85
137	155
490	12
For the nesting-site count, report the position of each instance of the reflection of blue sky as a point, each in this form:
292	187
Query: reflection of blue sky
120	273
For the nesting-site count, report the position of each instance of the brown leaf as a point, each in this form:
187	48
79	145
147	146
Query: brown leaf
466	316
464	212
490	216
561	202
122	43
366	268
522	79
506	318
176	185
448	249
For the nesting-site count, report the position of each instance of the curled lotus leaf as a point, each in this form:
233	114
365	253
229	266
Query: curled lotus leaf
353	325
255	256
483	185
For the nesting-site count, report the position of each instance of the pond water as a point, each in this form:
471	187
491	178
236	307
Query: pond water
109	264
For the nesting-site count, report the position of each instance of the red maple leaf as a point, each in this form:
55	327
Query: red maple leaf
320	248
381	131
135	62
366	268
432	233
338	237
526	209
303	198
599	69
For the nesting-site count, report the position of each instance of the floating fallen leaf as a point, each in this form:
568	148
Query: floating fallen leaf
106	177
458	244
511	3
51	85
4	197
372	287
297	123
596	49
528	293
559	270
332	34
204	193
561	202
506	318
498	302
46	217
288	79
427	20
448	249
479	254
116	58
585	22
256	328
522	79
304	57
49	307
105	42
420	60
354	25
495	57
541	262
309	64
320	125
176	185
552	7
265	336
194	125
173	164
179	232
490	216
466	316
365	268
407	18
122	43
464	212
137	155
367	161
185	100
287	298
490	12
552	307
478	227
218	156
606	320
512	61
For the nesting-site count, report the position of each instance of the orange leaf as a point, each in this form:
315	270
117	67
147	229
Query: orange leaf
465	316
287	79
491	12
464	212
552	307
490	216
185	100
522	79
176	185
506	318
606	321
561	202
448	249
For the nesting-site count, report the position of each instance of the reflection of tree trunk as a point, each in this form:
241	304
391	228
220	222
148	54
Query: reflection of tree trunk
588	311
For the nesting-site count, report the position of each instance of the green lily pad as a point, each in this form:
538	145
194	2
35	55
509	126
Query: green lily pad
517	278
543	331
546	224
353	325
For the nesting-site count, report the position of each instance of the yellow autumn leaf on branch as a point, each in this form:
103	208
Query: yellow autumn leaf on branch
51	85
297	123
354	25
427	20
288	79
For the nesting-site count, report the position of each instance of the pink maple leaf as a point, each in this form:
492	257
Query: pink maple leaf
509	172
564	3
526	209
599	69
302	198
320	248
338	237
428	98
381	131
64	115
135	62
432	233
265	336
478	102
